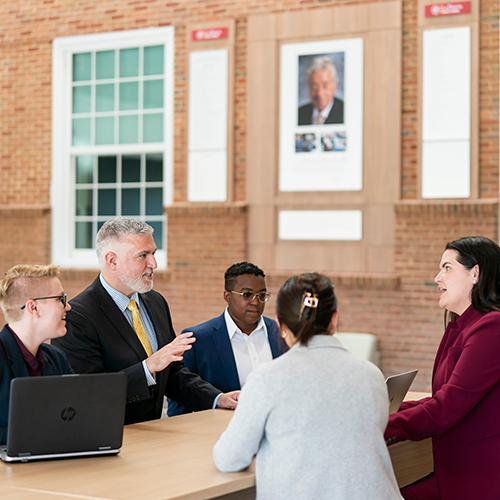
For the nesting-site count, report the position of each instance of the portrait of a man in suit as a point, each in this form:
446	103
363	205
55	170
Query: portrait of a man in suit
230	346
324	106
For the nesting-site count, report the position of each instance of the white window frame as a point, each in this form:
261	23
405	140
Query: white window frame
64	252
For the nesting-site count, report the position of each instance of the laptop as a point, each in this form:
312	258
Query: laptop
65	416
397	387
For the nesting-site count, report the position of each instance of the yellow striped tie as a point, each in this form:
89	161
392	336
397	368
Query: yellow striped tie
139	327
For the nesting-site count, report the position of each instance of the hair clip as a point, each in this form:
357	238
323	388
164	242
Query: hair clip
309	300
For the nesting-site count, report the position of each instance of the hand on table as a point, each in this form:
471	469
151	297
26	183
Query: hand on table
228	400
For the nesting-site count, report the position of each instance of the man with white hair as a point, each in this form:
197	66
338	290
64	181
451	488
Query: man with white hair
119	323
324	107
34	304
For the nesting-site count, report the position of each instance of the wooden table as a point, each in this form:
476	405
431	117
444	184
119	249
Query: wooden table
170	458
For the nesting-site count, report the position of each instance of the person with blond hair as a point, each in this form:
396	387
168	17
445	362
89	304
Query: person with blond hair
34	305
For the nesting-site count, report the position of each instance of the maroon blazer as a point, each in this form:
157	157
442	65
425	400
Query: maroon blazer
463	414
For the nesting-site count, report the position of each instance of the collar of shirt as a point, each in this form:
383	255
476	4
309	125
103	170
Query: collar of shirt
34	364
232	327
120	299
324	114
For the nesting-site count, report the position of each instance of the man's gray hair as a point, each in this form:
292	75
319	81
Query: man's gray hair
117	228
322	63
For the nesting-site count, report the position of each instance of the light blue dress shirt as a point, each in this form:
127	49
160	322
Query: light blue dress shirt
122	301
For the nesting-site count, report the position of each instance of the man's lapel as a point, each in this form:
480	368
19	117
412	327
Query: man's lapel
117	319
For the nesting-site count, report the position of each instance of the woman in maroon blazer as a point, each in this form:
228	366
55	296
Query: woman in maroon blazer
463	414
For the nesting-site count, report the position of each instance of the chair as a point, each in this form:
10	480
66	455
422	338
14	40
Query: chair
362	345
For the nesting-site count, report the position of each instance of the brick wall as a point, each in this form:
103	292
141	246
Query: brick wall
204	239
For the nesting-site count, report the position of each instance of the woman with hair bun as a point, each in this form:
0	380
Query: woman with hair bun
463	415
314	417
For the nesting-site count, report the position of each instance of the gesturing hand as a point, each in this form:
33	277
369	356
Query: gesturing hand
160	359
229	400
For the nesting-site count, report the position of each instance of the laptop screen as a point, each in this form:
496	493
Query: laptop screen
397	387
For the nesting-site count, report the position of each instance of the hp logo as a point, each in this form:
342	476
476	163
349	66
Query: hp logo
68	413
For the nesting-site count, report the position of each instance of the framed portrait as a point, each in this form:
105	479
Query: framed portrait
321	116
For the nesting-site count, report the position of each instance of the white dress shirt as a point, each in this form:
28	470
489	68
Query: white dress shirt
323	114
250	350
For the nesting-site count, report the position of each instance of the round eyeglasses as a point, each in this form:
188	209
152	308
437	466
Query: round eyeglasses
251	296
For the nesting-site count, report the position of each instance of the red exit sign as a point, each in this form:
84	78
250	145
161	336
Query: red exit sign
447	9
209	34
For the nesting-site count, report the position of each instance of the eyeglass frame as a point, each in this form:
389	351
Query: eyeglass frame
63	299
267	295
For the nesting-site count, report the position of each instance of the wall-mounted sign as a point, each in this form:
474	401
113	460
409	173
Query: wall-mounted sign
209	34
447	9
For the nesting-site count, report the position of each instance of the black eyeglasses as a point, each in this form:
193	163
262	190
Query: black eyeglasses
63	299
251	296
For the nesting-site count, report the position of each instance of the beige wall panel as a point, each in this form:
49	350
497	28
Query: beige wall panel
380	27
378	225
263	122
265	230
382	117
320	200
312	256
262	27
384	15
261	256
379	257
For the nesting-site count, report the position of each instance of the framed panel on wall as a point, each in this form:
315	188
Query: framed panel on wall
321	116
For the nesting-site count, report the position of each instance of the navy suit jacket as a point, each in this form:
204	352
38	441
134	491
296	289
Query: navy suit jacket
212	358
12	366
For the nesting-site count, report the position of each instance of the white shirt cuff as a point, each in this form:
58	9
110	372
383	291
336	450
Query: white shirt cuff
216	400
150	379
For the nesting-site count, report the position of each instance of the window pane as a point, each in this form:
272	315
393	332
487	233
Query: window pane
153	94
83	235
129	95
83	205
129	129
106	203
153	128
104	130
154	201
158	234
105	97
81	99
81	131
104	64
131	202
153	60
84	168
81	67
129	62
131	169
154	168
106	169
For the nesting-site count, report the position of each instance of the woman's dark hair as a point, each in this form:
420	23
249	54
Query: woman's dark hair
485	253
298	309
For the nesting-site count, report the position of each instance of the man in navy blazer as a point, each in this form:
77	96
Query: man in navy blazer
34	304
230	346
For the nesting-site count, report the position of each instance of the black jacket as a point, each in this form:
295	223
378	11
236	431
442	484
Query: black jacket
100	339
